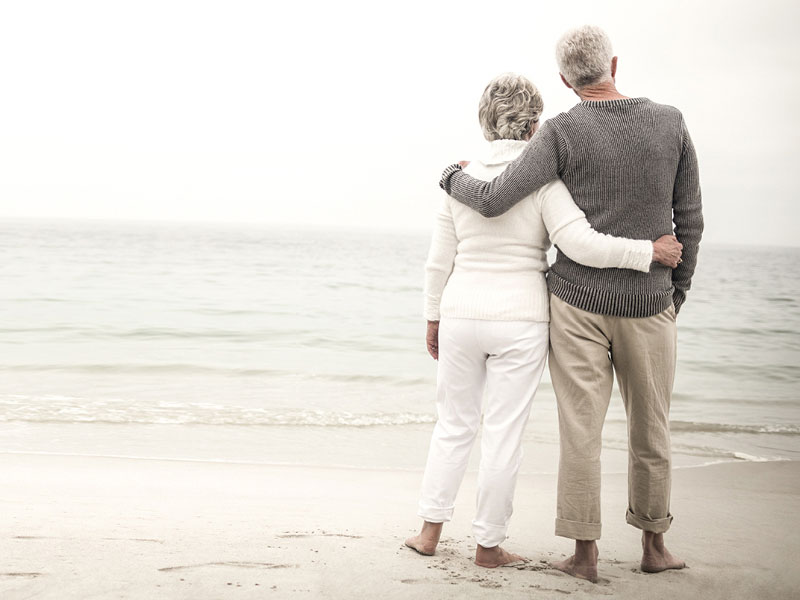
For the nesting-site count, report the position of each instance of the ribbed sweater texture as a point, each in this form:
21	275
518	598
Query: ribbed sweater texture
630	165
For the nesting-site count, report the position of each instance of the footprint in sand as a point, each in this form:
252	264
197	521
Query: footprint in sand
242	564
118	539
423	581
323	534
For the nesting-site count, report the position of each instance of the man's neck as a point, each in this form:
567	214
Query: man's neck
605	90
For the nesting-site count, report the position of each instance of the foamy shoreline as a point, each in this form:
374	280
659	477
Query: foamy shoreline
91	527
738	457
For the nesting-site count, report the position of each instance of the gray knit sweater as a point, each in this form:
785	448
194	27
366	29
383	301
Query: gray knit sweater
631	166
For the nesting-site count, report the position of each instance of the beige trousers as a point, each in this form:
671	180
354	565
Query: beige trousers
584	350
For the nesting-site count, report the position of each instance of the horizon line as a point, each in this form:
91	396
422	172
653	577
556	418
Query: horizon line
290	225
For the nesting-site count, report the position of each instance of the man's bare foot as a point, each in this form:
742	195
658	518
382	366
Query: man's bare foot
427	540
655	556
495	557
582	564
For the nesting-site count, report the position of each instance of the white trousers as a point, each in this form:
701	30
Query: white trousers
506	358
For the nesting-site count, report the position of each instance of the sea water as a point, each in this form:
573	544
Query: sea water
264	345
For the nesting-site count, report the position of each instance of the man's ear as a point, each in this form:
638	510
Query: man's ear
613	67
566	83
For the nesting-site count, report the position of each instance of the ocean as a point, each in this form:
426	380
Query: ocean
245	343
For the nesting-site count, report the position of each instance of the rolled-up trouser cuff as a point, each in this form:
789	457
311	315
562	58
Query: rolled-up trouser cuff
488	535
577	530
434	514
653	526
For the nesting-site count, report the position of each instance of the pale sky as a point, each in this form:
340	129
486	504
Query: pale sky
344	113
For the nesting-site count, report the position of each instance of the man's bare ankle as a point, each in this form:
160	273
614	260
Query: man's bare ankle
655	556
586	551
582	564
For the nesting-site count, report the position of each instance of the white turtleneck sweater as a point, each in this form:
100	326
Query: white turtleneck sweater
494	269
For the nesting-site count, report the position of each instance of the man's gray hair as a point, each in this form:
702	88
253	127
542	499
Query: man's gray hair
509	107
584	56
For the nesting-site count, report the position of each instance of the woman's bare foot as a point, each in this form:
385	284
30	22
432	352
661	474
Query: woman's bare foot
495	557
582	564
427	540
655	556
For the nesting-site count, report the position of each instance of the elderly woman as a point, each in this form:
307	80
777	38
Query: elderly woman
487	311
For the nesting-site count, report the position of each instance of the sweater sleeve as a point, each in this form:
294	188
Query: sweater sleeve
441	258
687	214
571	232
540	163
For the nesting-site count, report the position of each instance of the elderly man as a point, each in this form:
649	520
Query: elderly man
631	166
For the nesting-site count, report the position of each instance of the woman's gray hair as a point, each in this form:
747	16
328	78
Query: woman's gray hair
509	107
584	56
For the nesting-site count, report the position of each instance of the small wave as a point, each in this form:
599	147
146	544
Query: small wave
347	345
695	427
747	372
727	401
343	285
35	329
721	455
41	299
733	457
749	457
690	426
768	332
196	369
226	312
55	409
219	460
372	379
133	368
163	333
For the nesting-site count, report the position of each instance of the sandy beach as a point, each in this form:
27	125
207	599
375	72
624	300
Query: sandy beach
91	527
